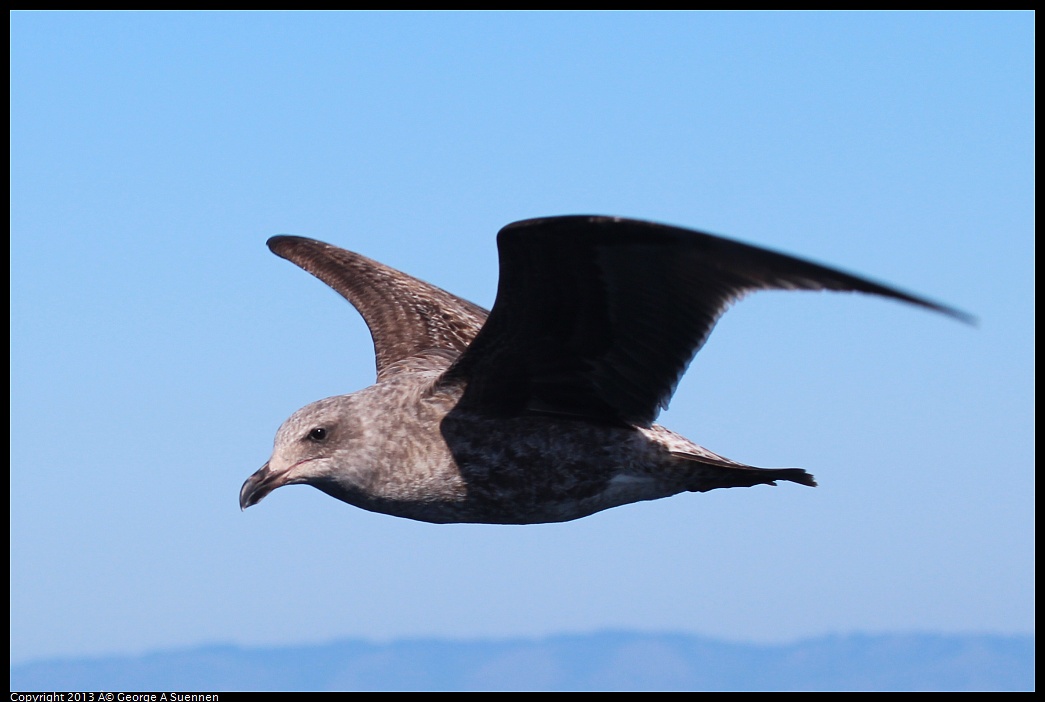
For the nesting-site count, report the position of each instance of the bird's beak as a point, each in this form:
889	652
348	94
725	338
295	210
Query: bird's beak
264	481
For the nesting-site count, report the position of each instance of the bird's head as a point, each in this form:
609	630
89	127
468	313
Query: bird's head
310	448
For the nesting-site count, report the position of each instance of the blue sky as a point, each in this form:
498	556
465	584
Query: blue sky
156	344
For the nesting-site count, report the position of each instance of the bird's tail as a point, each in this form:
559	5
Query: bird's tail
720	472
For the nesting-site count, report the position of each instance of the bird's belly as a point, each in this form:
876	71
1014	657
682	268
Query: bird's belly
540	469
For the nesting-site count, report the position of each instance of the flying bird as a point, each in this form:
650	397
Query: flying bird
543	409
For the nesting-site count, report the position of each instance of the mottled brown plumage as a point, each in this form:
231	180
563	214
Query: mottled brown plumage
544	409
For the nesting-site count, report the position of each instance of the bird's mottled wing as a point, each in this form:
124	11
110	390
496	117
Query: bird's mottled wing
406	316
598	317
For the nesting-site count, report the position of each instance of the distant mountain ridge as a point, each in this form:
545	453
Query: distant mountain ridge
600	661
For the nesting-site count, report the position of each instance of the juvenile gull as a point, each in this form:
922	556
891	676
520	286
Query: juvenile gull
543	409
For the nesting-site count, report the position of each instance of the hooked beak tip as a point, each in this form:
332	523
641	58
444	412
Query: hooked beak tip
256	487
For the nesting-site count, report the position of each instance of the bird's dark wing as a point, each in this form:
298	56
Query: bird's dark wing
598	317
406	316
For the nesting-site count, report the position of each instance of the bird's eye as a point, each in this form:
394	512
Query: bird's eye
318	434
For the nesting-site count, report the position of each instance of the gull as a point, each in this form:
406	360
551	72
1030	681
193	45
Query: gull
543	409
